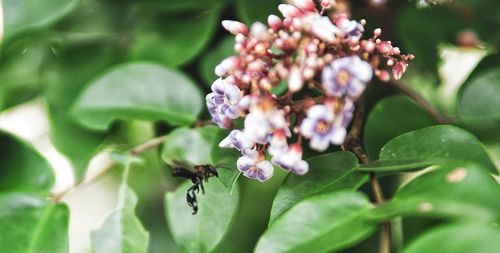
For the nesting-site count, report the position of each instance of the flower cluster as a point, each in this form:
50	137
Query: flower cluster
326	58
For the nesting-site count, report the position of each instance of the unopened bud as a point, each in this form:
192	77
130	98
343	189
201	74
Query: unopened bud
235	27
289	11
295	81
274	22
305	5
377	32
325	3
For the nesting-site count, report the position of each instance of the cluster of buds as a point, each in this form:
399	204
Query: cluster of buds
324	58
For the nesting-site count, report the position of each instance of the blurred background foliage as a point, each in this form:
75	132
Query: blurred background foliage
116	73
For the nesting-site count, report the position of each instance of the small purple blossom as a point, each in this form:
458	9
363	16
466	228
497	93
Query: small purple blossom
237	139
322	127
222	103
346	77
291	160
351	29
254	166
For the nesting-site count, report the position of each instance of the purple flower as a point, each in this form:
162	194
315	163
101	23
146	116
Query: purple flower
254	166
352	30
237	139
278	143
322	127
222	103
347	76
291	160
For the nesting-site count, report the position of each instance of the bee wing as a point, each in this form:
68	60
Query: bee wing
183	164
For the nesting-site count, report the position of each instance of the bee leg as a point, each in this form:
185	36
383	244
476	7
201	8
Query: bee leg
191	199
202	187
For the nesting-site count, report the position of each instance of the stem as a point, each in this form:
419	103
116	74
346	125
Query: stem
353	143
405	89
146	146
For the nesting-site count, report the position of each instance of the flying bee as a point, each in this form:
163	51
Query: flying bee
197	174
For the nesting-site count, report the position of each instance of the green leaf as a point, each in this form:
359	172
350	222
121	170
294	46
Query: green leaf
172	40
28	15
391	117
455	190
122	231
30	224
22	169
205	230
226	157
142	91
458	238
391	166
327	173
478	104
257	10
224	49
437	144
64	79
190	145
323	223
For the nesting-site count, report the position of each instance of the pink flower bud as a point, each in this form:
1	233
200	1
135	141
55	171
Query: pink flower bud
225	66
258	30
396	51
377	32
368	46
398	69
384	47
240	38
384	76
295	81
289	11
235	27
274	22
305	5
325	3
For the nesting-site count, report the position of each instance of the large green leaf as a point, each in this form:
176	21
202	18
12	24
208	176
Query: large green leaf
458	238
226	157
21	68
205	230
172	40
257	10
391	117
479	102
455	190
323	223
224	49
121	231
143	91
26	15
30	224
64	78
190	145
437	144
22	169
327	173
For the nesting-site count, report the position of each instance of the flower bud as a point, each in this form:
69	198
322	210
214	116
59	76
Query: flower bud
274	22
305	5
235	27
289	11
295	81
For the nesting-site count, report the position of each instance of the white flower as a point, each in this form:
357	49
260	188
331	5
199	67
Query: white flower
255	167
323	28
322	128
291	160
346	76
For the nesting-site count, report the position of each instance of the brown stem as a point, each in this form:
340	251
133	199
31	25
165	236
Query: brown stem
405	89
109	165
353	143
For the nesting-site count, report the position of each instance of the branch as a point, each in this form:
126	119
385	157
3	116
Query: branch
153	143
353	143
405	89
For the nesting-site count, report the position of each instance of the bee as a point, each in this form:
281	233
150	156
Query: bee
197	174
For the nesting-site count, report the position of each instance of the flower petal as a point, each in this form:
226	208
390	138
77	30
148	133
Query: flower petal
319	143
